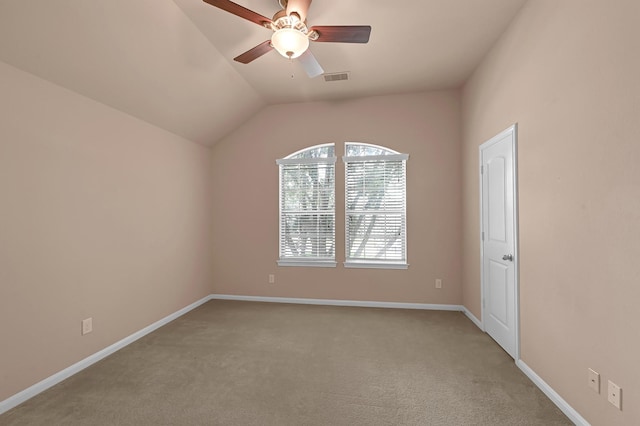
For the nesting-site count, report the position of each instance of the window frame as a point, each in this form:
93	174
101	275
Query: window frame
389	155
326	262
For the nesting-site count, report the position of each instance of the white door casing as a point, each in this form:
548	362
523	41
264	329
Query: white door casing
498	190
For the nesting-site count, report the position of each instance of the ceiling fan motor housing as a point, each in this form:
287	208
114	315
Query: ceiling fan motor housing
290	35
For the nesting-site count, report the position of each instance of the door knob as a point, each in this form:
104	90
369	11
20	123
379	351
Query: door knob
508	257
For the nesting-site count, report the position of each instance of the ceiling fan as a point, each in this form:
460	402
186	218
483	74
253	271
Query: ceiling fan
291	35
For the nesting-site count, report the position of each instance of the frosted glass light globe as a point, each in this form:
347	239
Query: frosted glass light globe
290	43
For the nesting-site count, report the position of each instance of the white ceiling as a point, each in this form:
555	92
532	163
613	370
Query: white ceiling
170	63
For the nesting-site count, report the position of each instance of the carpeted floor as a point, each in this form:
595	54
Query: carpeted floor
245	363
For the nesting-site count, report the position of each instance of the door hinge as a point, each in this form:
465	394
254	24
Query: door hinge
482	236
481	170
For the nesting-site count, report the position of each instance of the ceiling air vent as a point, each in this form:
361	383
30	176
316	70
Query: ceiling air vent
337	76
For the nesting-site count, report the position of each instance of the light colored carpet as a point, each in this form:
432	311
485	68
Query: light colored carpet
245	363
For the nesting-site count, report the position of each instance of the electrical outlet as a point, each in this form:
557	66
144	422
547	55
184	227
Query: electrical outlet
272	279
614	395
594	380
87	326
438	283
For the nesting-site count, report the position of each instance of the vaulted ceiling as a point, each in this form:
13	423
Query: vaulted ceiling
170	62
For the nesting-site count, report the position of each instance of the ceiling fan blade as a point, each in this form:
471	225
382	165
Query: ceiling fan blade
300	7
310	64
240	11
255	53
342	33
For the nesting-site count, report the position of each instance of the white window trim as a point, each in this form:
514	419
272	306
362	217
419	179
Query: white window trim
304	262
320	263
370	263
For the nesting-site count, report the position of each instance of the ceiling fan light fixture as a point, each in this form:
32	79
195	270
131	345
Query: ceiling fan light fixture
290	42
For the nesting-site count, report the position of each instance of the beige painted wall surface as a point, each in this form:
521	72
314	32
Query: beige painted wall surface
568	73
426	126
103	216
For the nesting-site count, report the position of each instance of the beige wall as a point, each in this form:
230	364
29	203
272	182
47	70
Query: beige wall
568	73
426	126
102	215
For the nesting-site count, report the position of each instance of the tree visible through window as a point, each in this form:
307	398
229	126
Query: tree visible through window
375	206
307	207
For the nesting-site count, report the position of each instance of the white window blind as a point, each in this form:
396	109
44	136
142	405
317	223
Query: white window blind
307	207
375	188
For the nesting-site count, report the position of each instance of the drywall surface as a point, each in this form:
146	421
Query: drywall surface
567	73
426	126
102	216
145	58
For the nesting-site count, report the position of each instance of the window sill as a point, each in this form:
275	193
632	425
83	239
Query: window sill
376	265
309	263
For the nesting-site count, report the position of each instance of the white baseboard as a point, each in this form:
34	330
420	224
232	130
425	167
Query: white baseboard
45	384
337	302
573	415
473	318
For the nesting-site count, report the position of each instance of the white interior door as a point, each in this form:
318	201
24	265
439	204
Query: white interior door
499	236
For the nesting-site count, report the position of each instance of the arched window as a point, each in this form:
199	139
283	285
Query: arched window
375	193
307	207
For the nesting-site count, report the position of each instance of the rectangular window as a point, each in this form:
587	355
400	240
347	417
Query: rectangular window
375	207
307	207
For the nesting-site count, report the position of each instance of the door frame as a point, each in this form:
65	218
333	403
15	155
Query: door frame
513	129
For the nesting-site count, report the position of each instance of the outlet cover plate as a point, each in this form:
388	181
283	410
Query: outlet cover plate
87	326
614	395
594	380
